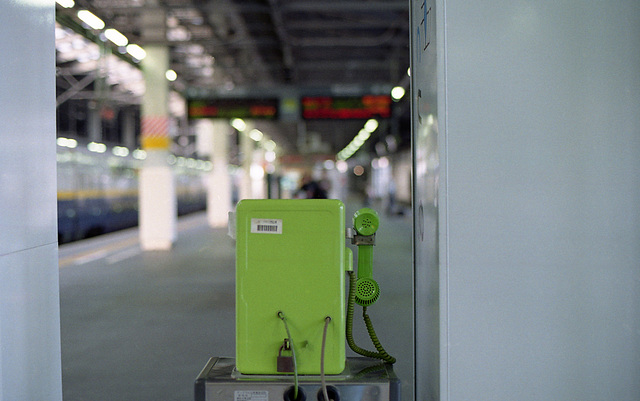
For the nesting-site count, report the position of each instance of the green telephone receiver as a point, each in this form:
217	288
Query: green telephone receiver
364	290
366	223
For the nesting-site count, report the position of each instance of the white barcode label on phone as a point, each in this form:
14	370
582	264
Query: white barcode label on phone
251	395
266	226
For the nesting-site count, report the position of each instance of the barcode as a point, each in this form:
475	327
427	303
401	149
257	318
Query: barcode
266	226
263	228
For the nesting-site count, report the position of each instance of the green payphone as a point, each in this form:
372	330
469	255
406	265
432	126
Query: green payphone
291	259
290	262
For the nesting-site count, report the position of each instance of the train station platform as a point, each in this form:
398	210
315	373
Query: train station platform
141	325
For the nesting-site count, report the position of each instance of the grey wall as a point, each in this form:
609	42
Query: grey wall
29	301
538	220
426	85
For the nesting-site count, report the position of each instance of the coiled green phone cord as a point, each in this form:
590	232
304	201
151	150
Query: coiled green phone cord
381	354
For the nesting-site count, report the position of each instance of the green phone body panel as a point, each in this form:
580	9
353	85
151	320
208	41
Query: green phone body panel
290	257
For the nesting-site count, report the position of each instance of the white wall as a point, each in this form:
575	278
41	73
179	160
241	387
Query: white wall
29	301
538	260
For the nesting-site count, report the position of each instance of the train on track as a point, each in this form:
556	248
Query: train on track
98	188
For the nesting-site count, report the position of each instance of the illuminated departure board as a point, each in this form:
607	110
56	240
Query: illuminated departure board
351	107
234	108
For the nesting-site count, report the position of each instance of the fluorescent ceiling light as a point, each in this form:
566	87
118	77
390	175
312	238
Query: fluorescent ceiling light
256	135
97	147
397	93
270	145
363	134
238	124
120	151
116	37
371	125
139	154
66	3
90	19
136	52
67	143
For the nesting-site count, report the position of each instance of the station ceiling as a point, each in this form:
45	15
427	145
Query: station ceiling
235	48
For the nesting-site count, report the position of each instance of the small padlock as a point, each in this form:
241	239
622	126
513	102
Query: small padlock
285	362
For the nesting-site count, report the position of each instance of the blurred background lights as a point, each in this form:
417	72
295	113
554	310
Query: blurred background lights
120	151
383	162
256	135
371	125
238	124
329	164
97	147
358	170
270	156
67	143
342	166
270	146
139	154
90	19
256	172
397	93
359	140
171	75
136	52
116	37
363	135
66	3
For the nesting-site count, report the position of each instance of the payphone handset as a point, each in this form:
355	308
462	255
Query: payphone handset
364	290
365	224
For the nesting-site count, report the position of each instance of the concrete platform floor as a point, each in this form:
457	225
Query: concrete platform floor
141	325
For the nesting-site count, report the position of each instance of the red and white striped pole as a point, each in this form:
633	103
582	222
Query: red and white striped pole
157	201
155	132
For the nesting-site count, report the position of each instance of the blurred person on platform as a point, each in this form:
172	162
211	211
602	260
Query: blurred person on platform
311	189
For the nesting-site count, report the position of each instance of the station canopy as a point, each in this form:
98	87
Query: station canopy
317	67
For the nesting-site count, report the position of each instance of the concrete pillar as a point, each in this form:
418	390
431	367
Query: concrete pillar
257	175
246	149
158	205
94	126
29	291
129	129
213	141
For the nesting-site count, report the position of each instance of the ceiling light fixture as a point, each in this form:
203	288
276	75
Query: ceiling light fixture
256	135
171	75
238	124
270	146
397	93
371	125
66	3
116	37
359	140
139	154
90	19
97	147
136	52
